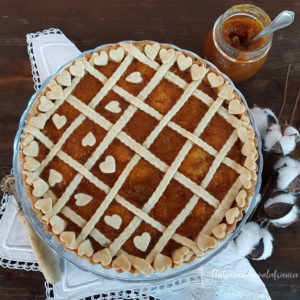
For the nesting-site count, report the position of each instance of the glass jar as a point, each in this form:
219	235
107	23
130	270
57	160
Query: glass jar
228	44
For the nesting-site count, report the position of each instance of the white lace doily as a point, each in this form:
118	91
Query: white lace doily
120	295
215	280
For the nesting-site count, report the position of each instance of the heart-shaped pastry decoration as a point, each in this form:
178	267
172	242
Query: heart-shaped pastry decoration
116	55
39	121
27	139
101	59
51	84
69	239
30	177
59	121
55	93
141	242
184	62
88	140
232	214
113	106
197	72
162	262
166	55
179	254
219	231
109	165
134	77
245	178
77	69
32	149
226	92
103	256
245	134
54	177
58	224
31	164
64	78
45	104
215	80
114	221
235	107
45	205
205	242
241	198
85	248
152	50
245	118
121	263
253	175
46	218
82	199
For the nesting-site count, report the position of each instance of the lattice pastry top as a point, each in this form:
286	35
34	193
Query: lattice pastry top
139	157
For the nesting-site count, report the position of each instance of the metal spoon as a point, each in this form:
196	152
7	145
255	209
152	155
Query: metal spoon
284	19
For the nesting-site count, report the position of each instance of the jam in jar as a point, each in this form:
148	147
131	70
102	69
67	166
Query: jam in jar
229	44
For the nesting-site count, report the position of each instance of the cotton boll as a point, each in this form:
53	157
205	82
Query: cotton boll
286	161
289	219
248	238
288	174
254	242
273	135
263	118
268	244
272	119
281	209
289	140
280	197
292	131
288	144
285	176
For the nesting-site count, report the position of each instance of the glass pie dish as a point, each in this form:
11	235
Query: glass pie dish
49	239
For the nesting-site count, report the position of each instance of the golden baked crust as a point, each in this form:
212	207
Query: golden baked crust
139	157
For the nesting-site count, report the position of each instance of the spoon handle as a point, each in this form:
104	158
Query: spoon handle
283	19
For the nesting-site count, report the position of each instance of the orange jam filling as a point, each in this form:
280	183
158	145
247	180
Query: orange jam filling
144	178
238	32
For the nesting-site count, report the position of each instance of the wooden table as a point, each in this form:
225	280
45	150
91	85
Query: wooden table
184	23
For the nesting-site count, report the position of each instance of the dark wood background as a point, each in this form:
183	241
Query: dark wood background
182	22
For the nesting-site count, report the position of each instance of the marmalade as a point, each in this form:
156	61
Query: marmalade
229	44
238	32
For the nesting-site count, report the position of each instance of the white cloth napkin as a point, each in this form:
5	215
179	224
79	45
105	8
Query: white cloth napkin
14	243
226	276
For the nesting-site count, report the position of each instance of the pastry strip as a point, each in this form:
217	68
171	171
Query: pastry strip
117	243
149	140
